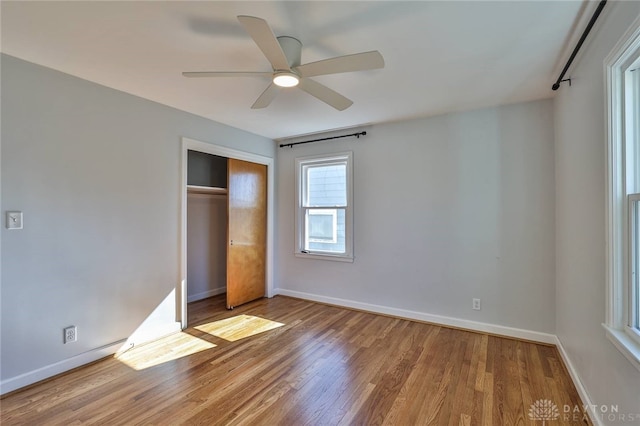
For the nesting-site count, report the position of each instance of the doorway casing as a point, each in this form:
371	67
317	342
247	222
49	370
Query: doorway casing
222	151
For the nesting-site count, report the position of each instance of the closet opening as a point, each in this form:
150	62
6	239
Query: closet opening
227	222
206	225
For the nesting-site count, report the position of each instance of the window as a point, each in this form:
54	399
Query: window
623	195
324	203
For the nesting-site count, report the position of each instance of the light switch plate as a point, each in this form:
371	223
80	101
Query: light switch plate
14	220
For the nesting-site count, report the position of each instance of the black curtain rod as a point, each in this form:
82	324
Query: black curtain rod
584	35
357	135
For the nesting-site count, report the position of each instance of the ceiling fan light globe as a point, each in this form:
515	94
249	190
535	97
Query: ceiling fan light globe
286	79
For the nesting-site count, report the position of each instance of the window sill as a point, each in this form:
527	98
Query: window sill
319	256
625	344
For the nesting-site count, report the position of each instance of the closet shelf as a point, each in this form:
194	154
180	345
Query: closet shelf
195	189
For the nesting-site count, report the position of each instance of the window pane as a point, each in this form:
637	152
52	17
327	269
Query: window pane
633	132
631	128
325	230
322	225
635	260
326	185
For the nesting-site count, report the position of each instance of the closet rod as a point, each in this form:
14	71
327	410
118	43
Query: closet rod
357	135
583	37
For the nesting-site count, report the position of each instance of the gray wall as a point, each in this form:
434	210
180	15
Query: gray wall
97	174
580	211
446	209
206	245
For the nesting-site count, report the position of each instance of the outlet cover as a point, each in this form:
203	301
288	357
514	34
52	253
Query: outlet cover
476	304
70	334
14	220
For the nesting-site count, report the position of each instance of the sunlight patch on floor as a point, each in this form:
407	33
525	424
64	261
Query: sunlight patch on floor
238	327
170	348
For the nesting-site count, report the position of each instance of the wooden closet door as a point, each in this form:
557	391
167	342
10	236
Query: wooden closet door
247	242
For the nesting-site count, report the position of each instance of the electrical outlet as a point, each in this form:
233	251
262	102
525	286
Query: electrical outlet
476	304
71	334
14	220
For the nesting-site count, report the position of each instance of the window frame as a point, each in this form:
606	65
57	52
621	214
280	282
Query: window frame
620	323
300	224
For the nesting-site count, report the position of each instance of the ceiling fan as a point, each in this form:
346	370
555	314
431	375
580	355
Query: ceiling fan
284	54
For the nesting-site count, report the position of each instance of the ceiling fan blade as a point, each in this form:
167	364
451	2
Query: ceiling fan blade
266	97
261	33
325	94
356	62
226	74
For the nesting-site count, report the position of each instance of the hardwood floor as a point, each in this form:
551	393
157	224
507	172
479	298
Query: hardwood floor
314	365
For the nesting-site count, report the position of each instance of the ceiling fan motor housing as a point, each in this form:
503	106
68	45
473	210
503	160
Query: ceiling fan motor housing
292	48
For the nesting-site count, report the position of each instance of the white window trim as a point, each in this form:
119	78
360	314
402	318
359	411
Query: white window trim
299	244
617	309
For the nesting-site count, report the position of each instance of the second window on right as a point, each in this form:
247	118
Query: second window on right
622	94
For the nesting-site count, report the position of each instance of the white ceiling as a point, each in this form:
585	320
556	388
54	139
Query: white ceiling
440	56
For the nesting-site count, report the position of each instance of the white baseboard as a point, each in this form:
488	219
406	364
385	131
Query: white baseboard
34	376
501	330
59	367
582	392
205	294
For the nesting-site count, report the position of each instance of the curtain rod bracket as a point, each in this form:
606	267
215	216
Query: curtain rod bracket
556	86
